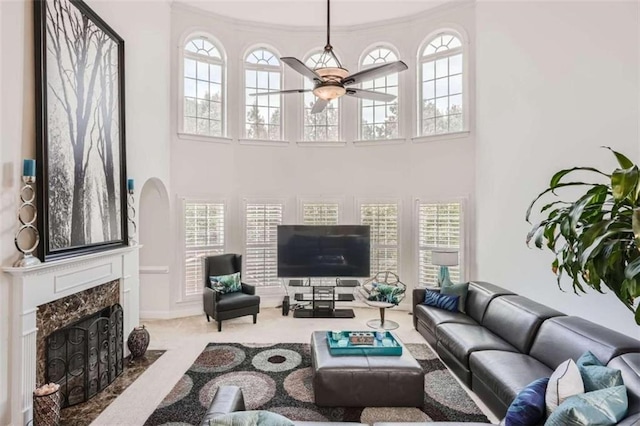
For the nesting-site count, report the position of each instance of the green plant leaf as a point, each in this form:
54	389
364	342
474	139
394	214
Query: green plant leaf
555	180
624	162
632	269
546	191
624	182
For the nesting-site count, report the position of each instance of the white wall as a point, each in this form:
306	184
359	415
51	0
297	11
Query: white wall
554	82
145	27
233	171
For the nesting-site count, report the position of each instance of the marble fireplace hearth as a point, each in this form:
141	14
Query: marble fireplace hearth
70	281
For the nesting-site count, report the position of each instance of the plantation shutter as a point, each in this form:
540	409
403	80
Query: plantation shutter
203	236
439	227
383	221
320	213
261	256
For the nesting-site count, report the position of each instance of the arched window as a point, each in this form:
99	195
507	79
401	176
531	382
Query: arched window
324	126
379	120
441	86
263	73
204	79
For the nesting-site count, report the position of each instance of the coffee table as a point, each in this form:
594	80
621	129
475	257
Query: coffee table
365	381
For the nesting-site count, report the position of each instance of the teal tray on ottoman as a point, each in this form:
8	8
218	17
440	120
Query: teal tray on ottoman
386	346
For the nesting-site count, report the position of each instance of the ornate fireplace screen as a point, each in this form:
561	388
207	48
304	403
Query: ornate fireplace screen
85	357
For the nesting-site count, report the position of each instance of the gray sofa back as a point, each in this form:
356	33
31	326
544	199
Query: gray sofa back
516	319
561	338
629	365
480	295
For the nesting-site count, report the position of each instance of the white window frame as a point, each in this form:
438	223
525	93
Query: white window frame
183	297
245	202
224	137
398	202
464	234
320	200
463	49
399	136
243	90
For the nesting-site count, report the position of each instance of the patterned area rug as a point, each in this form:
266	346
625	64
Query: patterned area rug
278	378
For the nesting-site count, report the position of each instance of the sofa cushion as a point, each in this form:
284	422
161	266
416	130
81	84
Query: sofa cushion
561	338
629	365
602	407
596	376
231	301
478	298
528	407
564	383
433	317
516	319
463	339
506	373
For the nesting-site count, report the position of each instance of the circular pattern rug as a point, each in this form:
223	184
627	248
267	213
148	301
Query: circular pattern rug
278	378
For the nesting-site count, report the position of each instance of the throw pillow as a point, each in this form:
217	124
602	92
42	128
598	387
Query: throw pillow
226	283
456	290
382	292
442	301
601	407
251	418
596	375
566	381
528	408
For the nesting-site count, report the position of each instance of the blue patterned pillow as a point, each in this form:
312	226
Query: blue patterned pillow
528	408
602	407
442	301
224	284
595	375
251	418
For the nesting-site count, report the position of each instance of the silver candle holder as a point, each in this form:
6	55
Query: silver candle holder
27	196
131	218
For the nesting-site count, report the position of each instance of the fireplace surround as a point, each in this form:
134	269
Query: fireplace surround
38	285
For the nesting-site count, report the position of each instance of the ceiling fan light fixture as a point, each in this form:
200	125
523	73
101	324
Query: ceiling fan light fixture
329	92
332	73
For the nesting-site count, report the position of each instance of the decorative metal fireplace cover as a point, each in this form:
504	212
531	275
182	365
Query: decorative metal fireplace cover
86	356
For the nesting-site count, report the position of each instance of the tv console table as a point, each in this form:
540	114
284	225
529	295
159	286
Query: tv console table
323	299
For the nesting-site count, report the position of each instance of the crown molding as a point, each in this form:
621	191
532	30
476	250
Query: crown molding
248	25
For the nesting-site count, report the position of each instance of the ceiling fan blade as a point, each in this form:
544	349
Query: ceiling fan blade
281	91
319	106
299	66
375	72
371	95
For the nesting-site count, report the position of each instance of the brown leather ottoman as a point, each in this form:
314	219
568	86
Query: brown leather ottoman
364	381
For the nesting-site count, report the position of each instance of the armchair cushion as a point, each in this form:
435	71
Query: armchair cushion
237	300
382	292
225	284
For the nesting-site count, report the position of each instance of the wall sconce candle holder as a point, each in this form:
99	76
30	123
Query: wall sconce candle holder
131	218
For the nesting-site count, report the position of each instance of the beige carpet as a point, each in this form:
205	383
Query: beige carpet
185	338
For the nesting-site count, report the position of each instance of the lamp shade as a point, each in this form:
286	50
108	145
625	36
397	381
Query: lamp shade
444	258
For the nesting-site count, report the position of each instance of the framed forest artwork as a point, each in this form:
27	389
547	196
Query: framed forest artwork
81	177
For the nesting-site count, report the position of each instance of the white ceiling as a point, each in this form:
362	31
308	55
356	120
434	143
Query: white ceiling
313	12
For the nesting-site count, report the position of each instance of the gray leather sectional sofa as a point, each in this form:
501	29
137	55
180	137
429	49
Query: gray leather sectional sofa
501	344
504	342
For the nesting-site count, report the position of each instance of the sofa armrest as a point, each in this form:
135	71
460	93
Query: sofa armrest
227	399
418	298
248	289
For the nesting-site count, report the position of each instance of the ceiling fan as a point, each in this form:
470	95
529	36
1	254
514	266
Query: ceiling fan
331	82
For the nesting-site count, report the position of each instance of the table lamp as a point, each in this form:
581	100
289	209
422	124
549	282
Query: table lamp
444	259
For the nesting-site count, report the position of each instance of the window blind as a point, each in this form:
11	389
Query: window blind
320	213
383	221
204	225
439	227
261	255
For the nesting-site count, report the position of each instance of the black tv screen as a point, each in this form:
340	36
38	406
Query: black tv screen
323	251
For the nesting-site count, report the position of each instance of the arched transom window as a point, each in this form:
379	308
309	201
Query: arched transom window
203	108
324	126
441	86
263	114
379	120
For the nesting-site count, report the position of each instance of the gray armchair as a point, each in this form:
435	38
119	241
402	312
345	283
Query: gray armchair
231	305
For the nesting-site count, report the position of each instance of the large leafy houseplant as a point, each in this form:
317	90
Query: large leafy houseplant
593	238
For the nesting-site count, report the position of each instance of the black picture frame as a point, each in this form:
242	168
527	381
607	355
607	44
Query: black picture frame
104	199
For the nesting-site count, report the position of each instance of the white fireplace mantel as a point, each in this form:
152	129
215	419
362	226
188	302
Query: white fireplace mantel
36	285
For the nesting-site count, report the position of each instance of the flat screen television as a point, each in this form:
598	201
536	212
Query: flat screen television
323	251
